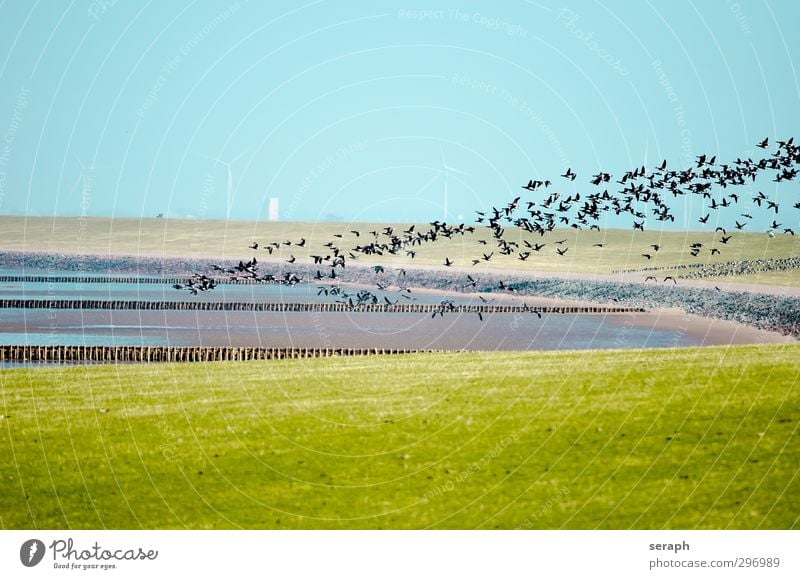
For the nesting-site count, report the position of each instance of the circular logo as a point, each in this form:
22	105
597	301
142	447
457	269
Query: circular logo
31	552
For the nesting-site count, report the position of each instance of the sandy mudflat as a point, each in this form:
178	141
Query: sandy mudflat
709	331
511	332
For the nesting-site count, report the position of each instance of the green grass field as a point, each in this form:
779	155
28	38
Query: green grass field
231	239
690	438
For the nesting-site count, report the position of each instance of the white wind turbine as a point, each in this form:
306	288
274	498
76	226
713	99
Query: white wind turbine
85	170
228	165
84	176
446	169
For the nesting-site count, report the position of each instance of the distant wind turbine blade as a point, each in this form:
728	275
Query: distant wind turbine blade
77	184
90	168
454	170
83	168
430	182
220	161
239	156
444	207
230	191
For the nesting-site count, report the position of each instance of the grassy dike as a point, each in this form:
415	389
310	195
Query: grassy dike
623	248
686	438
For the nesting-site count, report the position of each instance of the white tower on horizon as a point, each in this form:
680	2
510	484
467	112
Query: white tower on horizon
273	209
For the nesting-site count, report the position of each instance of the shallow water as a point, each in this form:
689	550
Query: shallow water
303	292
301	329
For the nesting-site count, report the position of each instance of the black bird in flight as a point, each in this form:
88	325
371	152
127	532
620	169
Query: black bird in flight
505	287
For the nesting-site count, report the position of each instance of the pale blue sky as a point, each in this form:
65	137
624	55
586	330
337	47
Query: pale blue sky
340	109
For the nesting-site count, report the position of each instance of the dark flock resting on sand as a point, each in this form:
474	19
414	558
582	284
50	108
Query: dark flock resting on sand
725	268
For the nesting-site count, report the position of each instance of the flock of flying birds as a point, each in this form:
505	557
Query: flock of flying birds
641	192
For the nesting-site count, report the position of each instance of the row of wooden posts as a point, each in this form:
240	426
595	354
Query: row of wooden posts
123	279
147	354
300	307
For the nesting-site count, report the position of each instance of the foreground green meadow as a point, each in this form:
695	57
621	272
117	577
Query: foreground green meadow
688	438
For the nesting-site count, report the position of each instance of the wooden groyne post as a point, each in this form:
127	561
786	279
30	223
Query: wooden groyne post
300	307
153	354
